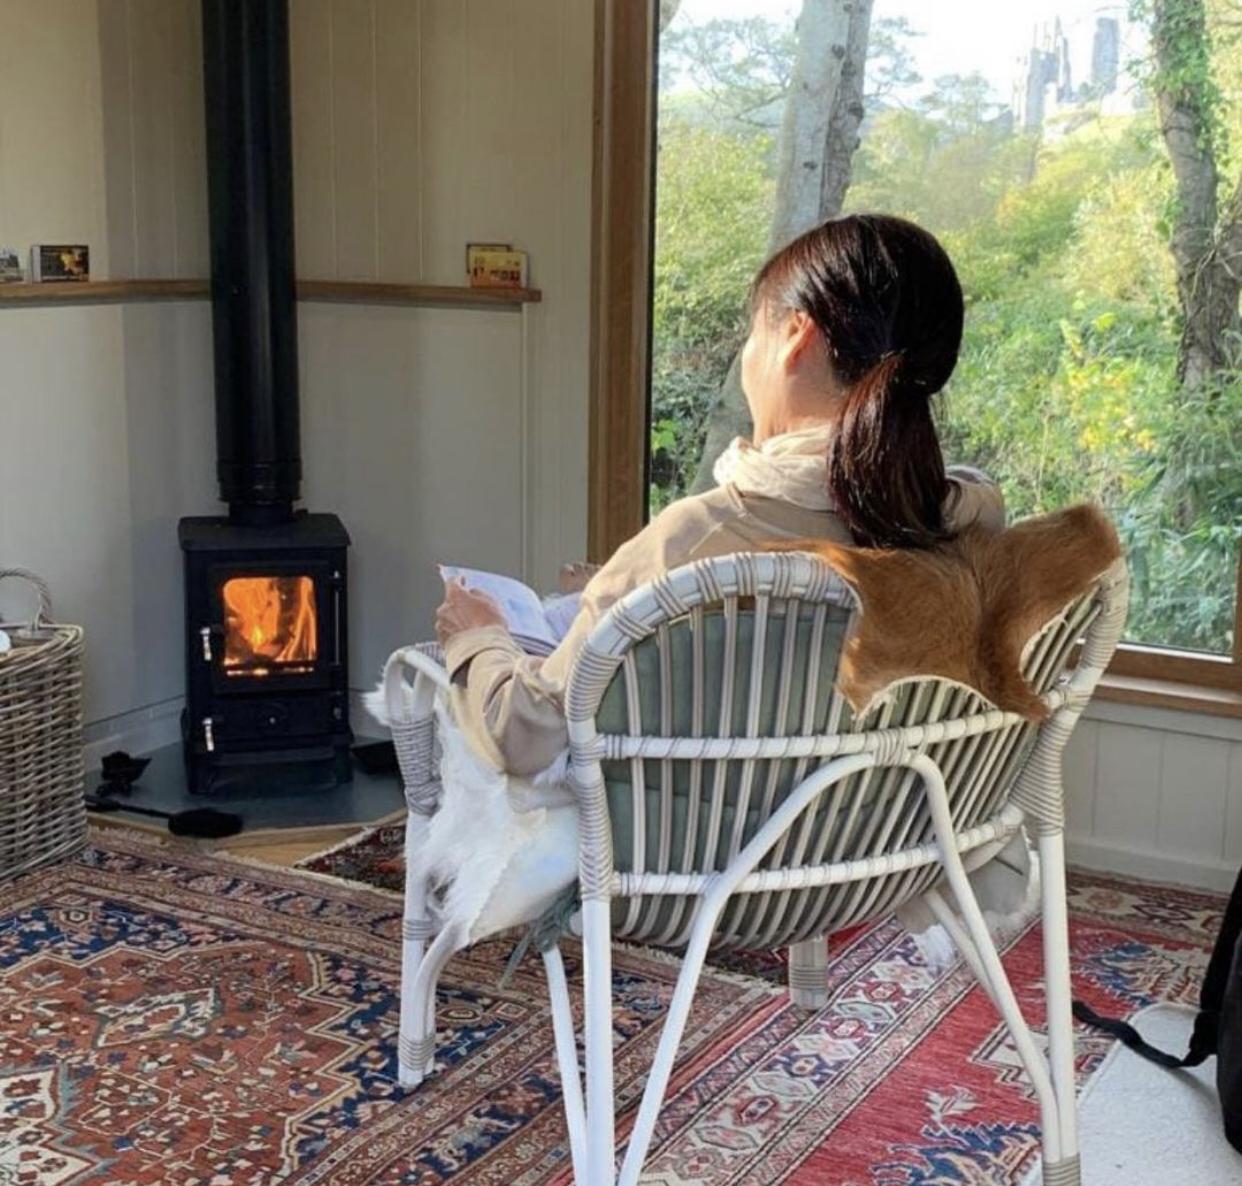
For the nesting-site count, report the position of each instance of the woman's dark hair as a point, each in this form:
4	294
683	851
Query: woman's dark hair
885	296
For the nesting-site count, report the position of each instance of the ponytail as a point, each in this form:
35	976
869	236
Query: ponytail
886	474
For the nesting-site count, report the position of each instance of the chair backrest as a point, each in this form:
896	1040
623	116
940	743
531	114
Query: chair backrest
703	699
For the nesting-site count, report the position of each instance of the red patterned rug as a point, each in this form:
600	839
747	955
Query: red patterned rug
183	1019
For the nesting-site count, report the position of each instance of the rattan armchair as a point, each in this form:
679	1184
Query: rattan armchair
729	797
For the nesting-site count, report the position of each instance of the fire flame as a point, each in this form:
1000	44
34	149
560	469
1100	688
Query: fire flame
269	620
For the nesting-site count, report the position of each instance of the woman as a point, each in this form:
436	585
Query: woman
855	326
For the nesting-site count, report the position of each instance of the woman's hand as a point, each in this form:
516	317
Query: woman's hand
575	577
464	609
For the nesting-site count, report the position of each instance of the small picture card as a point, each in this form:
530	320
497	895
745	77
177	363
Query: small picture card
498	269
10	266
473	250
58	262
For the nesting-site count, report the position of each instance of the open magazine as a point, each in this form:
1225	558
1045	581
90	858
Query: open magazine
537	623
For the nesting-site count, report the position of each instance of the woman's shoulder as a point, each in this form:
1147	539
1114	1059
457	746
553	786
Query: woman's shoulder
976	499
671	538
708	508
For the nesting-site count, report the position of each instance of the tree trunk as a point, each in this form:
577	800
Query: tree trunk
1207	246
823	35
819	133
847	114
668	10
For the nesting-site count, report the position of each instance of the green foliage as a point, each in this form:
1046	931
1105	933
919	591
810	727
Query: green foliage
1066	387
712	214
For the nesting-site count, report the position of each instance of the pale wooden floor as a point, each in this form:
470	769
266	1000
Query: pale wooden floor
270	846
286	853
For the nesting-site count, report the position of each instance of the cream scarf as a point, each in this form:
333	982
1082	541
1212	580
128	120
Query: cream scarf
792	467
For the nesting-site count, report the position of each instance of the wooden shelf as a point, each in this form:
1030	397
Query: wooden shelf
73	292
360	292
368	292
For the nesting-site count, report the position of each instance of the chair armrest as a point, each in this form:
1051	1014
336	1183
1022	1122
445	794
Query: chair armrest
427	659
409	711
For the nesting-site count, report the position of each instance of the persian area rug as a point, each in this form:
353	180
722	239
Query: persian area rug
186	1019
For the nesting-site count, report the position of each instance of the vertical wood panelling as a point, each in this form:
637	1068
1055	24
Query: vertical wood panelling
445	84
537	208
571	333
66	493
188	134
410	422
1233	807
51	128
1127	793
150	54
1193	776
398	214
314	210
169	417
151	66
495	109
354	123
117	98
554	214
1156	794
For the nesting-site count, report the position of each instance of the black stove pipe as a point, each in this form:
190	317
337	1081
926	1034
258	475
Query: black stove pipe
250	208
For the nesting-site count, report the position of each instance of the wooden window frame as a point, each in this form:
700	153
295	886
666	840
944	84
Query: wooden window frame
622	246
622	226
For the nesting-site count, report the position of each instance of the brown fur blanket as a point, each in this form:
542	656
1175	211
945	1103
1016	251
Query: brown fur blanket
965	610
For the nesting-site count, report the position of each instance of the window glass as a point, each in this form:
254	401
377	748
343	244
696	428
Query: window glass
1026	136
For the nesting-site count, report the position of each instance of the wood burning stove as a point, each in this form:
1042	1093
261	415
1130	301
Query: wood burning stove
266	645
267	673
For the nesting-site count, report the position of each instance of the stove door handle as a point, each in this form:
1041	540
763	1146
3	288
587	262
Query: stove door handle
207	635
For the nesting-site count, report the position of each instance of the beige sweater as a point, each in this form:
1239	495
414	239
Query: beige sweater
509	703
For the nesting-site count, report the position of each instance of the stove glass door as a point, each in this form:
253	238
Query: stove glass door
271	626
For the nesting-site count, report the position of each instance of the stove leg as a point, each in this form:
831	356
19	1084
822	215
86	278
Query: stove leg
343	765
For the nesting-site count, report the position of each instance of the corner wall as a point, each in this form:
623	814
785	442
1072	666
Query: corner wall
437	434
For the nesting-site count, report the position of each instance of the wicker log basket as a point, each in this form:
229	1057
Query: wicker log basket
42	813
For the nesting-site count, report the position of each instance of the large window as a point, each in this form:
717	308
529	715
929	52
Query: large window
1029	136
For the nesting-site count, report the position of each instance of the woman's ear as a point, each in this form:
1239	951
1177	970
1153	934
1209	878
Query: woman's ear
798	335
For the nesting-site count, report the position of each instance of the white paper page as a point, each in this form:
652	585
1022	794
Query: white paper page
519	603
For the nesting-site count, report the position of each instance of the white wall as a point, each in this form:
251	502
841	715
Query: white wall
1156	793
438	434
104	410
434	433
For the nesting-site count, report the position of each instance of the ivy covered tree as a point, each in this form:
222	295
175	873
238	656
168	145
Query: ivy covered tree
1207	209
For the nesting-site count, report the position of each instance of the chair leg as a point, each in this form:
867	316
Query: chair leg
1066	1169
987	959
567	1059
416	929
808	973
601	1167
418	1047
670	1039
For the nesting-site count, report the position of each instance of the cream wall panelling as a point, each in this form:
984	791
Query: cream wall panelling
1156	793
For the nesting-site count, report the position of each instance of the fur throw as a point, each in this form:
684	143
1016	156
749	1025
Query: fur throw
967	610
